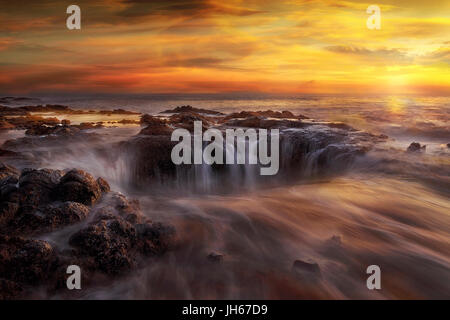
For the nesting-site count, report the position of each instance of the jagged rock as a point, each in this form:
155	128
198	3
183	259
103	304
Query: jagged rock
51	217
26	261
262	114
8	153
35	188
5	125
56	130
150	157
154	238
154	126
79	186
307	270
215	257
128	209
416	147
103	184
7	171
109	241
190	109
10	290
263	123
186	121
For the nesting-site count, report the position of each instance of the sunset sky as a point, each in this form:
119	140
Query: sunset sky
209	46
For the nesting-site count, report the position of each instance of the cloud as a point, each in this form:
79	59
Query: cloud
383	53
185	8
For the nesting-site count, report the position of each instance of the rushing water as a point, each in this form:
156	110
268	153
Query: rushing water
388	208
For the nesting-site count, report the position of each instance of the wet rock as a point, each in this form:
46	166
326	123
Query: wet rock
117	111
334	241
128	121
190	109
128	209
51	217
113	243
215	257
26	261
154	238
109	243
35	188
8	153
150	158
30	121
10	290
263	123
416	147
448	145
263	114
307	270
5	125
154	126
7	171
90	125
8	211
186	121
42	130
79	186
103	184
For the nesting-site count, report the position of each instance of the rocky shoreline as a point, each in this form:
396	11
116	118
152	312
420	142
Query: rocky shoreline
50	219
111	238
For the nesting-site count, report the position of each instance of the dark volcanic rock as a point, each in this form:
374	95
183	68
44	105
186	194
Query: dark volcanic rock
416	147
10	290
7	171
79	186
26	261
263	114
35	188
215	257
154	126
51	217
113	243
186	121
154	238
150	157
116	239
263	123
109	241
103	185
41	130
189	109
308	271
5	125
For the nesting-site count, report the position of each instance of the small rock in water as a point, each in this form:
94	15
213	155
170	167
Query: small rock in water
448	145
215	257
334	241
416	147
307	269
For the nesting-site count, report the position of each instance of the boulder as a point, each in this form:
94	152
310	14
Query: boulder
79	186
215	257
108	241
51	217
10	290
26	261
190	109
416	147
307	270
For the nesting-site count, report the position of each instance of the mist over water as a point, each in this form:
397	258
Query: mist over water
387	207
